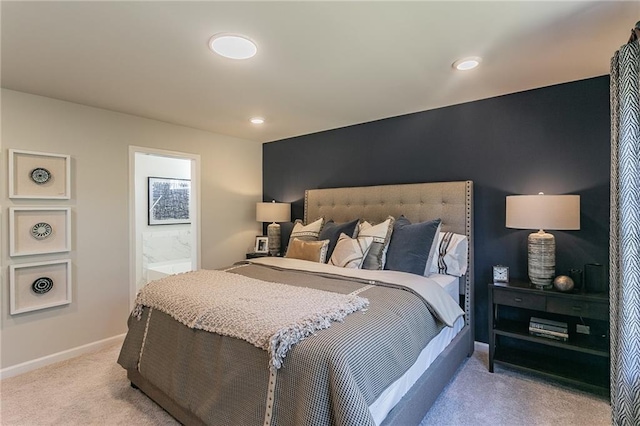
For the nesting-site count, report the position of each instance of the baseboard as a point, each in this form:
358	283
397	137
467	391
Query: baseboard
25	367
481	346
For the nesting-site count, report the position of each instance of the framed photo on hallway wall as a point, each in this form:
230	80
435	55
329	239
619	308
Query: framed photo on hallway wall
169	201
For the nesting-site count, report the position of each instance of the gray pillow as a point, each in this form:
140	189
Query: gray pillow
381	234
410	245
331	231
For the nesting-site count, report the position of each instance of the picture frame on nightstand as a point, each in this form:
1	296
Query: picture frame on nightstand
262	244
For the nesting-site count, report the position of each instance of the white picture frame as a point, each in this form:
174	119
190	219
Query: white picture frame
262	244
30	292
39	175
39	230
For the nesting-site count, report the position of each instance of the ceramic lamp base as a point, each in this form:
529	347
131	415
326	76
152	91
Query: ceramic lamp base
273	232
542	259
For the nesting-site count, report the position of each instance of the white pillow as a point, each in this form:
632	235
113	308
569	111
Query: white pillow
381	234
350	252
451	255
432	251
308	232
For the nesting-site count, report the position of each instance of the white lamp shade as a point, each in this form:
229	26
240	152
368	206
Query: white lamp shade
273	212
560	212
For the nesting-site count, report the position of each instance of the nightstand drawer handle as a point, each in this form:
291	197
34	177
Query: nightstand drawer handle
518	299
577	308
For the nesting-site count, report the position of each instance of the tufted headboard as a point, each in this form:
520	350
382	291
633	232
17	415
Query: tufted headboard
452	202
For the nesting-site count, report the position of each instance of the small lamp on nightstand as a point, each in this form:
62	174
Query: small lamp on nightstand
273	212
561	212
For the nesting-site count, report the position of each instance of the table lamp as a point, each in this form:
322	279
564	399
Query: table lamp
561	212
273	212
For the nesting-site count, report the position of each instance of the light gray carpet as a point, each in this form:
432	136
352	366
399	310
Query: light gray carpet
93	390
506	397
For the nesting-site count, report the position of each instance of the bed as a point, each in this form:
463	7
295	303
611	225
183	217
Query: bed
202	377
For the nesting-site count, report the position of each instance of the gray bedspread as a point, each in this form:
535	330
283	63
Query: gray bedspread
327	379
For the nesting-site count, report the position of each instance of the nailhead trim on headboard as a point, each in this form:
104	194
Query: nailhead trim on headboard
451	201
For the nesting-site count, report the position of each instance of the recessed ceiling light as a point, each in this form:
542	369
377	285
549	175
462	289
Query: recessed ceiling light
466	64
257	120
232	46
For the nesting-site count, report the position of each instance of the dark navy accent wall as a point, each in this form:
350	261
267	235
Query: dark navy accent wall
554	139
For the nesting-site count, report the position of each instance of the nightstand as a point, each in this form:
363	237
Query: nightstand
583	360
256	255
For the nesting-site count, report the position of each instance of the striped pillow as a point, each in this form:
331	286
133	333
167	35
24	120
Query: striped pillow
451	255
350	252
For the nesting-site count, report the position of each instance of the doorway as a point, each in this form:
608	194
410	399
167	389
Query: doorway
164	215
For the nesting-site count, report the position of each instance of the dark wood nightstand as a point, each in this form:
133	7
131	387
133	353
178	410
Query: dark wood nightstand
583	360
256	255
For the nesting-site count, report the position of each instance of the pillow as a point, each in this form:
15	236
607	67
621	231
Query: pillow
350	252
285	235
451	255
432	252
331	231
315	251
410	245
381	234
306	232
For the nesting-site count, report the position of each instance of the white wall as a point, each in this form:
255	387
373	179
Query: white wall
98	142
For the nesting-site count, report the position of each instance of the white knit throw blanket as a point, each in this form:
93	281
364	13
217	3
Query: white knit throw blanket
268	315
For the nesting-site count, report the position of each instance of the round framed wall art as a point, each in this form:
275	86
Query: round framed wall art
42	285
40	175
41	230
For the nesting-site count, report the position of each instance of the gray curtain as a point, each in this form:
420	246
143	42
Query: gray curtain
624	279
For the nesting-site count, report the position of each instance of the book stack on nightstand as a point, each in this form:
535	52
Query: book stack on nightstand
549	329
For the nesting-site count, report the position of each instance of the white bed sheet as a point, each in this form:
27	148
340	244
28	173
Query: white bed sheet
450	283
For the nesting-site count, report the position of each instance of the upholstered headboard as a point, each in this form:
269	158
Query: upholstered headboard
452	202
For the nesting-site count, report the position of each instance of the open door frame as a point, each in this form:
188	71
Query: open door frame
195	189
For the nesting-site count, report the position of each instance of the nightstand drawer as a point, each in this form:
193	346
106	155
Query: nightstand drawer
579	308
520	300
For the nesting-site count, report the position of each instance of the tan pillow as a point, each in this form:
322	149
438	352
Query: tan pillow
350	252
315	251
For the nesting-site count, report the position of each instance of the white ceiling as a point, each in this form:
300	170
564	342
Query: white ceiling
320	65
